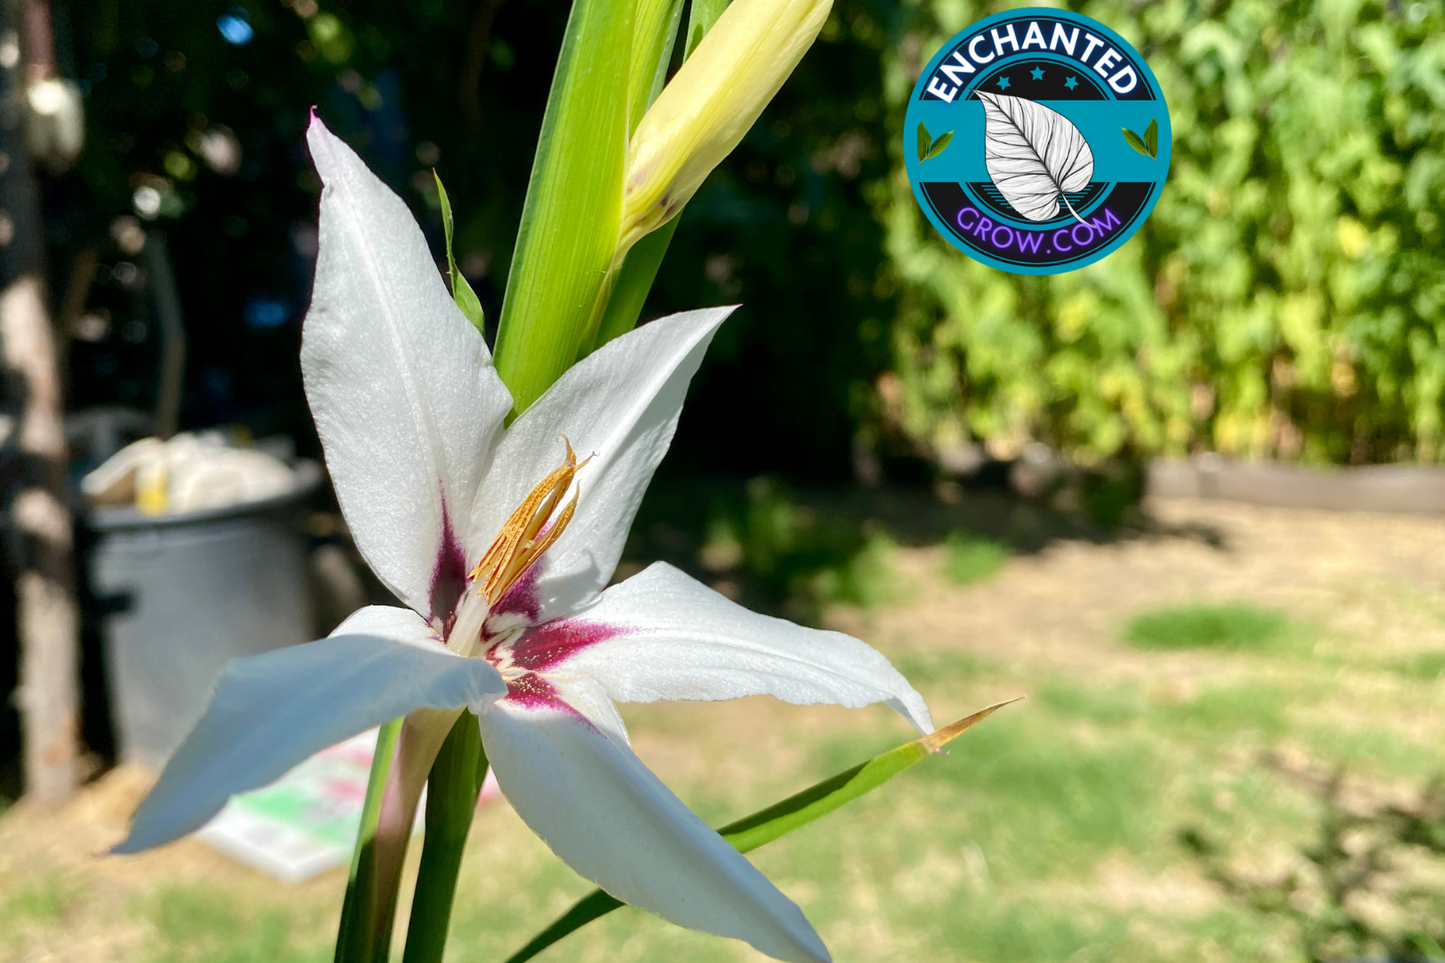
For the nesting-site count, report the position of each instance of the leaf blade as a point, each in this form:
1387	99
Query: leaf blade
1151	137
924	142
779	819
573	208
462	292
939	145
1135	141
1034	154
654	31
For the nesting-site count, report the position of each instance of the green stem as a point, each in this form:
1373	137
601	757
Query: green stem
356	932
634	281
456	779
631	282
572	215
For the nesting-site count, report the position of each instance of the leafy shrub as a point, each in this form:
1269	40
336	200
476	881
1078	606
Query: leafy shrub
1286	298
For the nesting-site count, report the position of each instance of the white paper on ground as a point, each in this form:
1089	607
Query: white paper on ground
306	822
303	823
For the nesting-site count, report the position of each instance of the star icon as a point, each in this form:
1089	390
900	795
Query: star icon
1038	73
1003	83
1071	83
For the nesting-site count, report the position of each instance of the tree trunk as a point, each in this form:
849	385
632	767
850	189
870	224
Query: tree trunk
45	585
48	698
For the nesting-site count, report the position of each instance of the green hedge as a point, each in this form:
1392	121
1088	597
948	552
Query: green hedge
1286	298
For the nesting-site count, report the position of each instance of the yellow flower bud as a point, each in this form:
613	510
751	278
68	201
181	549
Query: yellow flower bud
709	105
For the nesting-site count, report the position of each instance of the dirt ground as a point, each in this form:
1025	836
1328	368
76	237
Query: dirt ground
1378	577
1371	586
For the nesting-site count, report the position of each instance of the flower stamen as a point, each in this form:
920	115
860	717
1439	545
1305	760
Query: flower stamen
529	531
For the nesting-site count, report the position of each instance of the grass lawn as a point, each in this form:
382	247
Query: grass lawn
1170	679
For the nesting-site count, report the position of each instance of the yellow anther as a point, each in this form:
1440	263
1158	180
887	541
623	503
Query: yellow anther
529	531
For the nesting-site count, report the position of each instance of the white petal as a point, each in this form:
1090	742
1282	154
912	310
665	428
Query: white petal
269	712
614	822
390	622
401	385
674	638
587	696
620	406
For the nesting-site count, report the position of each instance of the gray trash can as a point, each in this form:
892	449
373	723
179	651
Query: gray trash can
187	593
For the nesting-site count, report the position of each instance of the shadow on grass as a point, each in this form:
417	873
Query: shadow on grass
1367	886
795	551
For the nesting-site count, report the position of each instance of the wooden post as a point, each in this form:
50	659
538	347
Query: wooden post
48	698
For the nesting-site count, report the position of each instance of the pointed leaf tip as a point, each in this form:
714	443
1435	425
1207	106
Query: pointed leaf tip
939	738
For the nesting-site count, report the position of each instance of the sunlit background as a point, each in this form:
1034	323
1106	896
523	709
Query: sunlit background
1232	743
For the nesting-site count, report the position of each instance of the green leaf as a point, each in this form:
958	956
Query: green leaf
798	810
924	142
1151	137
654	32
357	937
1136	142
701	15
451	801
779	819
462	292
572	214
939	145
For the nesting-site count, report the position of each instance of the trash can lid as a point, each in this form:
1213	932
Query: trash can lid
115	518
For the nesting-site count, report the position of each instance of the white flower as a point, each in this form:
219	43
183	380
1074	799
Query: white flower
502	543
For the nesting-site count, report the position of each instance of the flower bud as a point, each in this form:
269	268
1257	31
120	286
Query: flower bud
709	105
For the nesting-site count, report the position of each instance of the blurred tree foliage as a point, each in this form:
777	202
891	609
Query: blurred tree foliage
458	85
1285	299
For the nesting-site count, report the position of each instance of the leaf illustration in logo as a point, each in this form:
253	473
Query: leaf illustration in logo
938	145
928	148
1148	145
1034	155
1136	142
